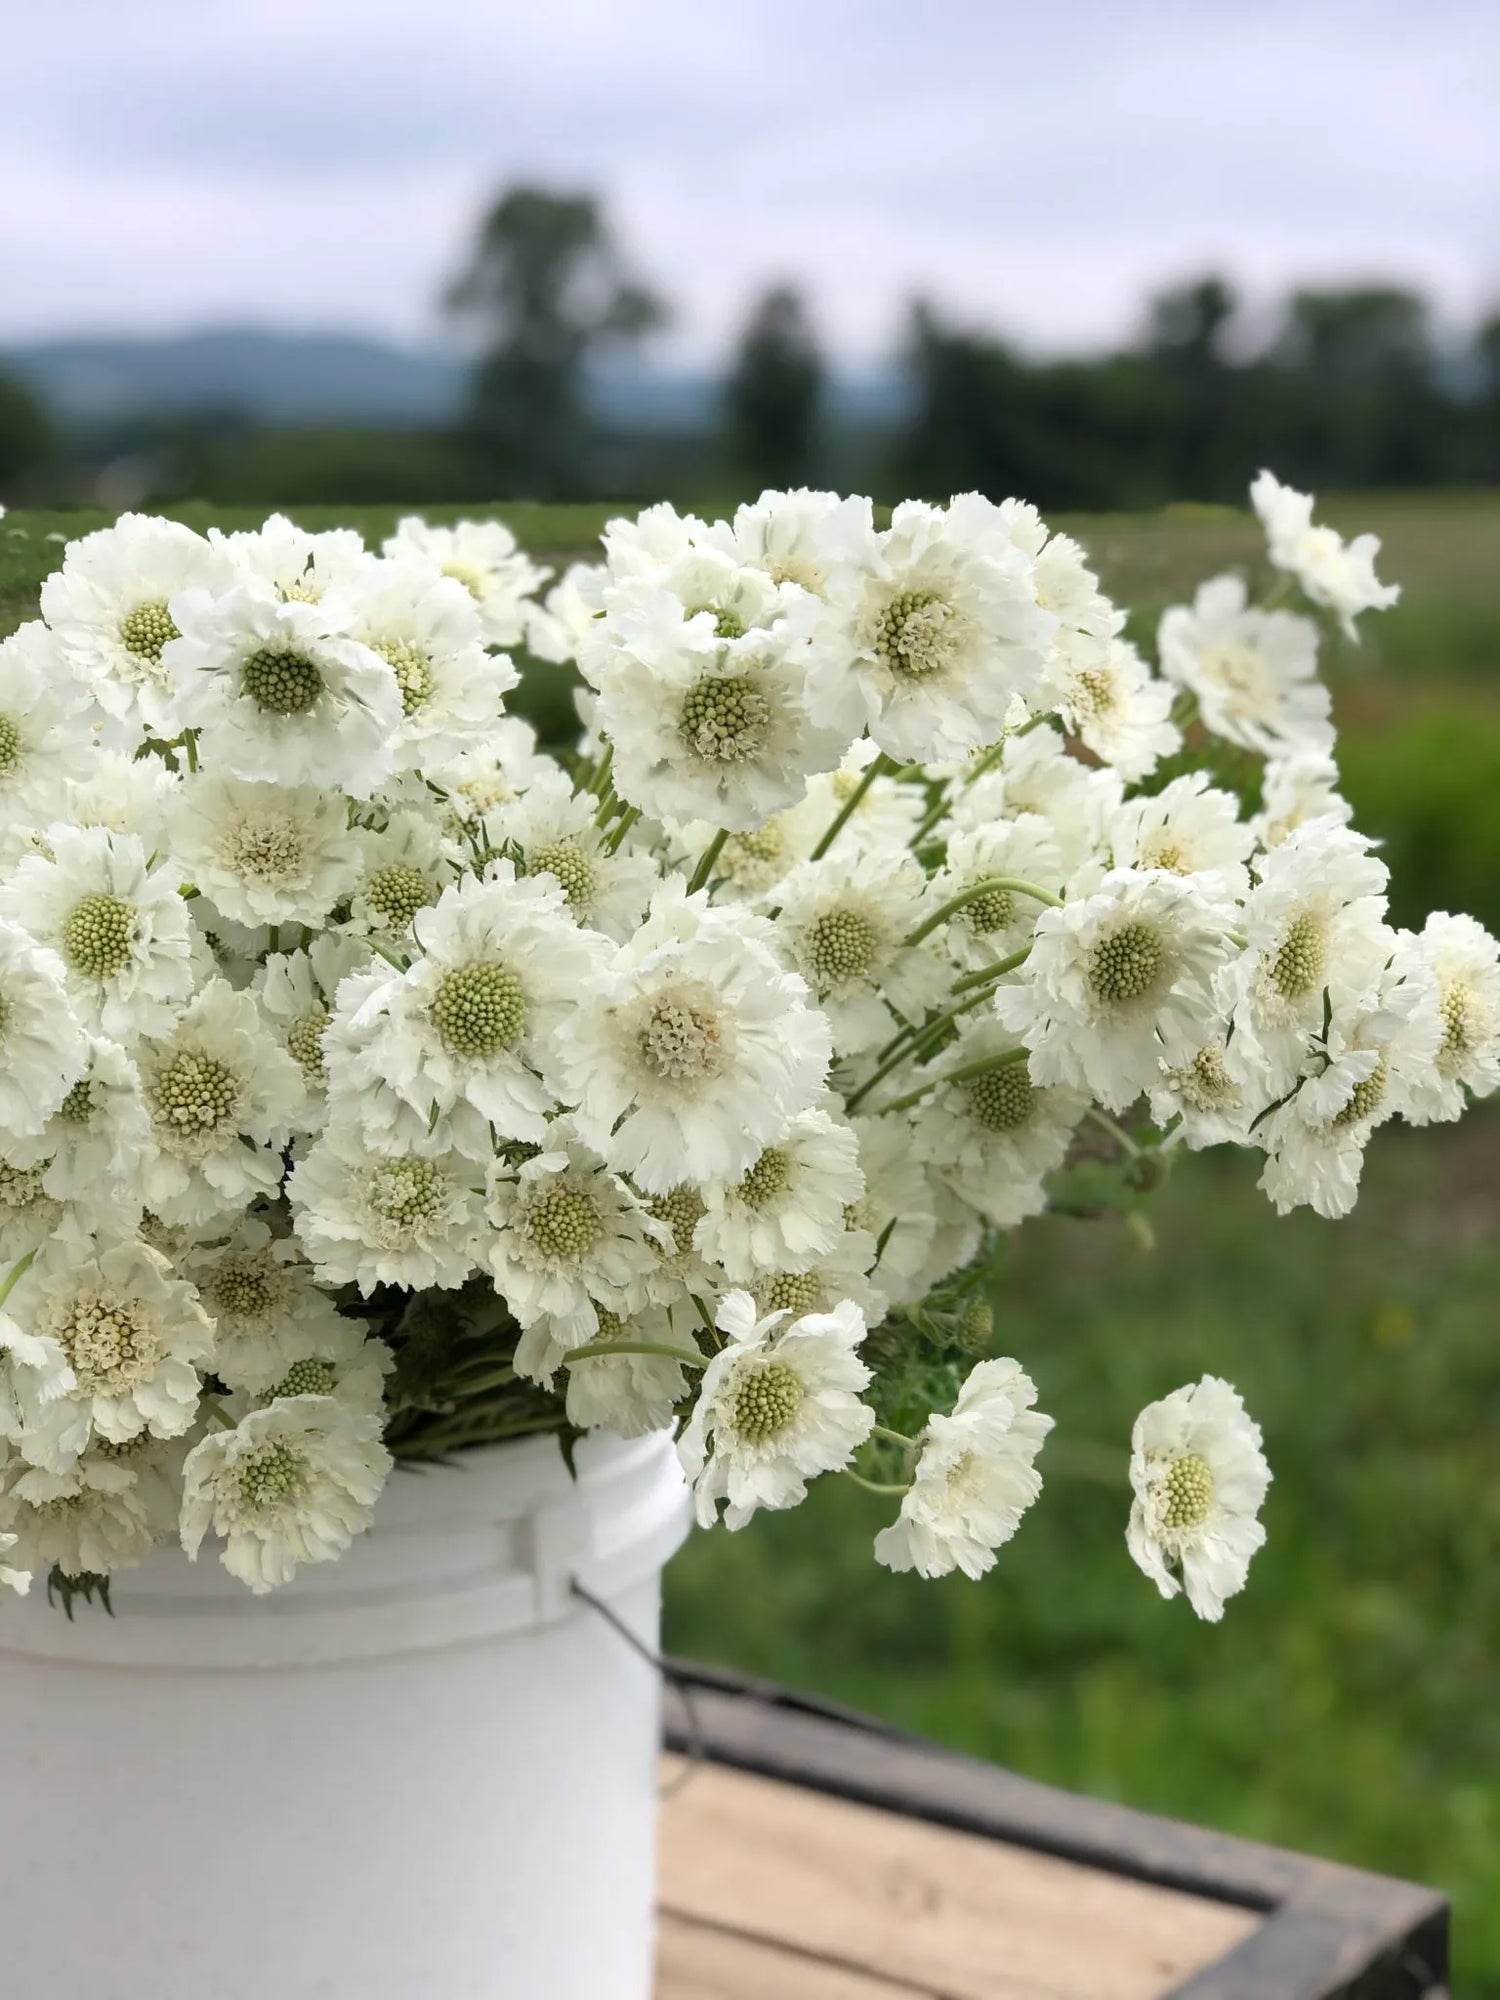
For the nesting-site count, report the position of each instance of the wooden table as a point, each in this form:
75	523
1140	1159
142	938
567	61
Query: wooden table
809	1854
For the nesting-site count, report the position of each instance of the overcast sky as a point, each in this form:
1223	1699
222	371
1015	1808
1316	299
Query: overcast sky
1037	167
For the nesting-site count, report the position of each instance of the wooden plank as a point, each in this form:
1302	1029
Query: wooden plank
947	1913
696	1962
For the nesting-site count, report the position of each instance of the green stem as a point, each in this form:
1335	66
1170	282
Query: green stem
598	782
893	1437
877	767
995	970
17	1271
628	819
607	807
1130	1147
992	885
592	1350
913	1040
962	1074
707	859
877	1486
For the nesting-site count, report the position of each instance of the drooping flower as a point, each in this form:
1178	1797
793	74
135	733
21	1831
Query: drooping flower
975	1478
630	1394
1199	1478
101	1515
1337	574
779	1404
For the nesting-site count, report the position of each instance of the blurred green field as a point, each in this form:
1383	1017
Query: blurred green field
1350	1702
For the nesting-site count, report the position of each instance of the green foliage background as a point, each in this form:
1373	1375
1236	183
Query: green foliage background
1348	1703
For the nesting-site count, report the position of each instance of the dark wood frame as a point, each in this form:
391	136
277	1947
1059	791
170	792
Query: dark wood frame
1330	1932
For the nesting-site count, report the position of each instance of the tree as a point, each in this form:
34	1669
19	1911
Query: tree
27	440
774	392
549	291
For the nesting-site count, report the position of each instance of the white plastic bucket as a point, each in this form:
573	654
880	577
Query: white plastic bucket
425	1772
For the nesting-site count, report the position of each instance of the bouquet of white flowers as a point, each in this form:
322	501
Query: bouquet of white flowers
376	1084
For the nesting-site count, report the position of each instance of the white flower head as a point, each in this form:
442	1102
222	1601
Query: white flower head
43	1047
848	1272
630	1394
1200	1478
124	794
484	558
898	1208
405	864
118	924
570	1238
786	1211
927	630
264	854
1337	574
269	1314
223	1097
110	609
993	925
478	786
1255	672
1036	773
795	537
97	1147
558	628
1210	1106
1109	699
371	1218
292	563
1118	982
994	1134
1294	790
1190	828
843	924
450	1052
280	694
779	1404
292	1483
975	1478
692	1050
101	1515
1465	963
553	829
297	991
46	716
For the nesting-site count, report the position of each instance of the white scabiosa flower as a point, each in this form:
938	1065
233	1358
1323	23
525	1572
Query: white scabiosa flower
926	631
1001	921
34	1371
405	866
1255	672
297	992
482	782
846	1272
787	1210
223	1098
484	558
1294	790
279	694
1117	983
991	1132
101	1515
46	716
28	1214
291	563
552	829
795	537
264	854
369	1218
570	1238
1314	927
558	628
121	929
1200	1478
1205	1104
1106	695
1464	960
843	924
975	1478
43	1047
1337	574
1037	774
292	1483
630	1394
134	1336
428	631
692	1050
897	1208
110	609
268	1312
1187	828
779	1404
124	794
449	1053
97	1147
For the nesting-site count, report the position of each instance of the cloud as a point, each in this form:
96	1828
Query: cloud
322	161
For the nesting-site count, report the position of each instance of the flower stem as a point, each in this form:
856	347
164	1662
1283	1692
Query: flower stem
992	885
962	1074
893	1437
14	1276
707	859
598	782
913	1040
592	1350
994	970
627	820
875	1485
878	766
1130	1147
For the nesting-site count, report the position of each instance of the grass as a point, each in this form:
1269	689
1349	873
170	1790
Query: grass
1347	1705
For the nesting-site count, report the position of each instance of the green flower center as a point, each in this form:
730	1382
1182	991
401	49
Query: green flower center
305	1378
1460	1029
243	1287
78	1106
795	1292
471	578
724	721
110	1339
1187	1492
97	936
767	1397
266	847
406	1191
10	744
1127	965
194	1095
767	1179
413	671
1093	692
305	1044
146	630
567	861
1301	958
1002	1100
20	1186
909	634
840	945
479	1010
1367	1097
397	892
727	624
681	1210
679	1042
994	911
270	1477
281	682
562	1221
976	1327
